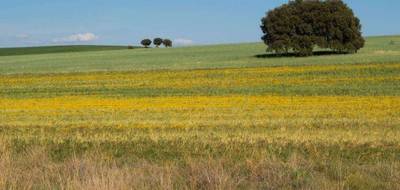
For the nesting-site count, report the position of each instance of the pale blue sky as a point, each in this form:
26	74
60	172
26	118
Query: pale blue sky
49	22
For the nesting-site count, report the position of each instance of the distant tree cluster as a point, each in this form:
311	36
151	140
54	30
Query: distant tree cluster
301	25
157	42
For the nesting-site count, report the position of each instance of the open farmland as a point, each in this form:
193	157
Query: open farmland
212	117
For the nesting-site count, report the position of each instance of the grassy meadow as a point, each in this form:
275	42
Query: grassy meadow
201	117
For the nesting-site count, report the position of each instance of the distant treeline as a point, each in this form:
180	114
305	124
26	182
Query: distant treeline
58	49
157	42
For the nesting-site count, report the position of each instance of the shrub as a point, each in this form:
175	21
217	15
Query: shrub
301	25
167	42
157	42
146	43
130	47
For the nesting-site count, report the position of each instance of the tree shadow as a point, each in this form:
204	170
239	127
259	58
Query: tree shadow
291	54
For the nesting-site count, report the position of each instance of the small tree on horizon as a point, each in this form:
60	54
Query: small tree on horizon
146	43
157	42
167	42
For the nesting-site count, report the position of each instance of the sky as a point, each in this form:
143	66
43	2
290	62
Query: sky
186	22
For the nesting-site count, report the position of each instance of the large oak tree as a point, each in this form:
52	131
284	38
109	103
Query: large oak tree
301	25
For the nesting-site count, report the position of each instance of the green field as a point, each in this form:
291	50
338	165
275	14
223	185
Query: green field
202	117
56	49
377	50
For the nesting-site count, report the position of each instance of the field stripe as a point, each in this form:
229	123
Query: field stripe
202	111
378	79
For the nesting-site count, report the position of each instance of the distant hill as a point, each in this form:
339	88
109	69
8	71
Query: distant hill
57	49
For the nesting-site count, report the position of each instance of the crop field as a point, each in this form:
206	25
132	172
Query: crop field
206	117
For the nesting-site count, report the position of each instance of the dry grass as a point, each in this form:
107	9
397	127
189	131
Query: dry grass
34	169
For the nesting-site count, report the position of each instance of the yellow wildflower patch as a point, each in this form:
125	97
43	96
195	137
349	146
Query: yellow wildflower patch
201	111
218	78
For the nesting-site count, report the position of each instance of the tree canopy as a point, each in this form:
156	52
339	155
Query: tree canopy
157	42
167	42
301	25
146	43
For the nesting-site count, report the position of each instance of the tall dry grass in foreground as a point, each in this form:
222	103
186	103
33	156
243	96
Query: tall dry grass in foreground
34	169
